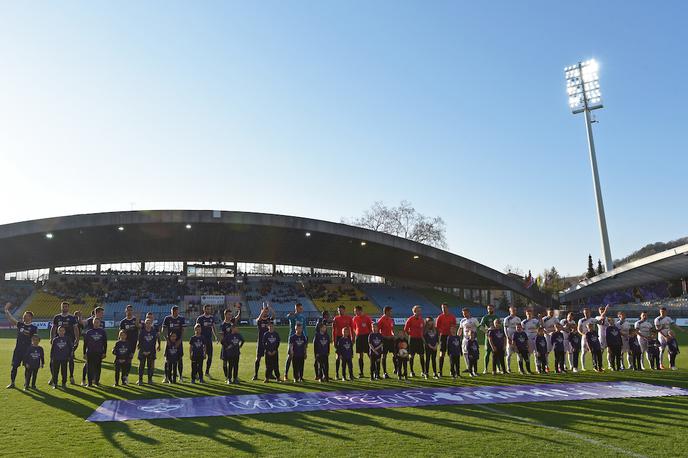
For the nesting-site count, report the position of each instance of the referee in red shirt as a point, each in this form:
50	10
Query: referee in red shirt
414	327
363	326
444	323
386	326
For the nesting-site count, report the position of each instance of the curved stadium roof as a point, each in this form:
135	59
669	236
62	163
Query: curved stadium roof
668	265
161	235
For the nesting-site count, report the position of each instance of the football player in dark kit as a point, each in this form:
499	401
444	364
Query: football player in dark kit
614	343
297	350
431	341
559	349
497	340
95	343
321	343
33	360
264	319
207	322
60	349
541	351
231	352
148	337
593	342
70	323
324	319
172	356
25	331
97	312
197	349
521	342
130	325
174	323
271	343
231	319
123	355
345	350
376	346
454	352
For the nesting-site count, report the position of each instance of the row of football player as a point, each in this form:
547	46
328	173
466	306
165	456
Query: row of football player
423	339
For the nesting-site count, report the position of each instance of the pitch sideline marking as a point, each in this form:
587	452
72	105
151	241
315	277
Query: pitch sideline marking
563	431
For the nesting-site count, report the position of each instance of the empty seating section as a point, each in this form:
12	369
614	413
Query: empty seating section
280	293
15	292
401	300
116	310
455	303
676	306
47	305
328	296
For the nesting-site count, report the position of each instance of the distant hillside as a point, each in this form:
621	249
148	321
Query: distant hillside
650	249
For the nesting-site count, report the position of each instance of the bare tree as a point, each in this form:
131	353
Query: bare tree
509	269
403	221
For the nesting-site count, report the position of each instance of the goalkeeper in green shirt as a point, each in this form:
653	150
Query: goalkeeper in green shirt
485	323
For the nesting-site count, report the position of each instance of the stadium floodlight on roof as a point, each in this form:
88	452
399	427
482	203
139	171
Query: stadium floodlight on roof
583	90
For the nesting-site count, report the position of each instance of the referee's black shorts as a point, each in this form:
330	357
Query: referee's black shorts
416	346
443	344
388	344
362	345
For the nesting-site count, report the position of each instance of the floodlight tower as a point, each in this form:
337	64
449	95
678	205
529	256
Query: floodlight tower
583	88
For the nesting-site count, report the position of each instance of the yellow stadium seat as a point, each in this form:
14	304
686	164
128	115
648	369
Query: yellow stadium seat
345	299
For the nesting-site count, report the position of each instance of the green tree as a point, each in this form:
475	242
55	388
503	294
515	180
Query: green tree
591	270
600	268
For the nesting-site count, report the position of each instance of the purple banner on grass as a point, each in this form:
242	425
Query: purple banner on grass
212	406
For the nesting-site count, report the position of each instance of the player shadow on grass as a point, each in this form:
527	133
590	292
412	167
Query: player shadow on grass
108	430
610	413
223	430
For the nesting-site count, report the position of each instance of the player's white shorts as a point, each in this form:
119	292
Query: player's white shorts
510	348
464	346
548	338
624	344
642	341
584	347
603	340
568	348
662	340
531	342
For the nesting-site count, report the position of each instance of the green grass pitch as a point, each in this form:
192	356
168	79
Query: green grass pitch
52	422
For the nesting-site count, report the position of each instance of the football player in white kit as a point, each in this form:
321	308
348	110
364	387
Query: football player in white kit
583	329
644	327
467	325
510	323
624	327
566	324
602	325
663	325
531	325
549	322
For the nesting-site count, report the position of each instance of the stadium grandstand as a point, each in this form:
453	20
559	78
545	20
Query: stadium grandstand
221	259
328	294
401	300
280	292
645	284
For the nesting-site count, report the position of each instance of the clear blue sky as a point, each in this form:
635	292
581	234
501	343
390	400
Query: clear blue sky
318	109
